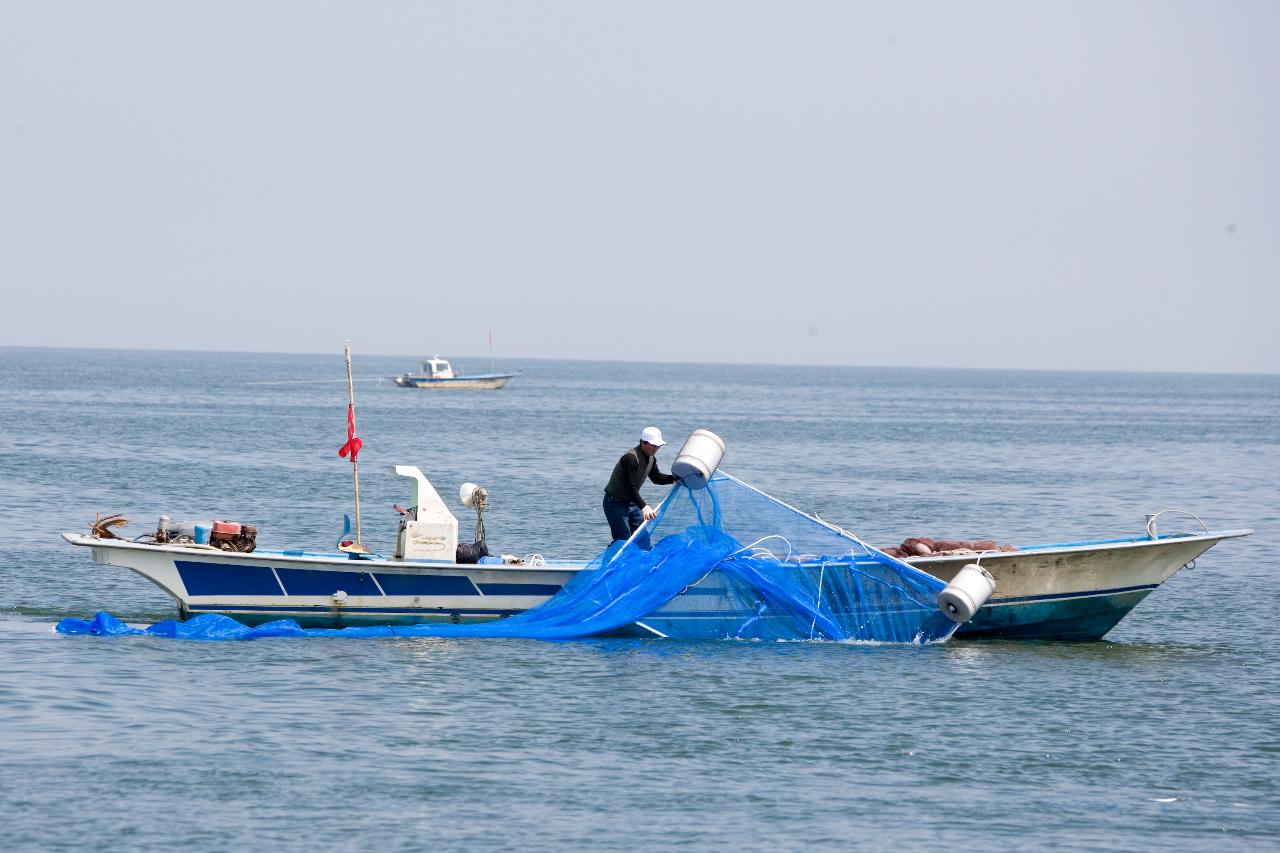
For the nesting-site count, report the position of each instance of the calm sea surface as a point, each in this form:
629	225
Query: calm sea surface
1166	735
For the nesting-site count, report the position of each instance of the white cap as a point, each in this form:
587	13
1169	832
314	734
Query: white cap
653	435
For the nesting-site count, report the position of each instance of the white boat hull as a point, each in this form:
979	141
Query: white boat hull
1078	591
1072	592
459	383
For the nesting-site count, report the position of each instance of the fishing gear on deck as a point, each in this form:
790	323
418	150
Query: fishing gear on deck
477	497
222	535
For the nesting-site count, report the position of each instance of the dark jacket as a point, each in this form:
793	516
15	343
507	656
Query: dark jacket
630	472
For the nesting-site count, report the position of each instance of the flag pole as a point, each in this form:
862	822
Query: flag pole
492	369
355	466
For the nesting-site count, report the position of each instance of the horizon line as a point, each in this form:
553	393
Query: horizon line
1107	370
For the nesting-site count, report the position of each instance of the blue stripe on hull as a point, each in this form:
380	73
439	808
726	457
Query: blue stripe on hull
427	585
208	578
547	589
1065	616
1055	618
304	582
227	579
1147	587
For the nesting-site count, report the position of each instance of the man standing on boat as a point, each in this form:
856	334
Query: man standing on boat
623	506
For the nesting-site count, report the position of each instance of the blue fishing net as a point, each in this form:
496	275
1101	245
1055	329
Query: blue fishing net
725	562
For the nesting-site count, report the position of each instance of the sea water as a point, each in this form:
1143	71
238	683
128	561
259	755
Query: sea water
1163	735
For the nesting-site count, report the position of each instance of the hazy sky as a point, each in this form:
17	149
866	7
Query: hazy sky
1049	185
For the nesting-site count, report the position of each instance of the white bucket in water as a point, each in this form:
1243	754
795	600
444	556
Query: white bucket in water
698	459
967	592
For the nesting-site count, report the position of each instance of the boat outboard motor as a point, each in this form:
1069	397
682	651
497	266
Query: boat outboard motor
473	496
961	599
698	459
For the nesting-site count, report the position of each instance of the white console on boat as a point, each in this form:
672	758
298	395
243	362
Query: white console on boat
429	531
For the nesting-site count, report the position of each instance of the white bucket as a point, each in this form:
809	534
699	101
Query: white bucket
967	592
698	459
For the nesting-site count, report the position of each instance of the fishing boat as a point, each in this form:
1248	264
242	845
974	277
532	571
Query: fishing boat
439	373
1069	591
695	582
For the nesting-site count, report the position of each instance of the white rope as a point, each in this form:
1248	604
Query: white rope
757	551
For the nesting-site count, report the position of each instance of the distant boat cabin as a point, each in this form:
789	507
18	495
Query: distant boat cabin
437	368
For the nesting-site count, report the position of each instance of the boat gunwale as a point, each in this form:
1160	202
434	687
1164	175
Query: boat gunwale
331	558
1212	536
327	558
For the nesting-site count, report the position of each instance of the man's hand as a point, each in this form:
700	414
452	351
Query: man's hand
648	513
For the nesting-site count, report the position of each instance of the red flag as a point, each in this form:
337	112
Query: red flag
353	444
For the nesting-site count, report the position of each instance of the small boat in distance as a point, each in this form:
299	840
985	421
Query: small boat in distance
438	373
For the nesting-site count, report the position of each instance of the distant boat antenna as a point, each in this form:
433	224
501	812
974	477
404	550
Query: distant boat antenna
492	369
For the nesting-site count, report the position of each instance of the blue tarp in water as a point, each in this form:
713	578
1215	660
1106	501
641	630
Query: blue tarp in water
726	562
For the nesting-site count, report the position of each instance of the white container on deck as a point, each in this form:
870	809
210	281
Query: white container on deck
699	458
967	592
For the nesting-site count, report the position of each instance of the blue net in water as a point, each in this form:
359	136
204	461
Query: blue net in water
725	562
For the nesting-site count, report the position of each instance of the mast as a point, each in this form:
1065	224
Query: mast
355	466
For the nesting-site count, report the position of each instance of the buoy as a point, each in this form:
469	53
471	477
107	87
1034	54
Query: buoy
469	492
698	458
967	592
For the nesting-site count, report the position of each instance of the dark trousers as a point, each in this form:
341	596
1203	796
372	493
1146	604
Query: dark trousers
625	519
